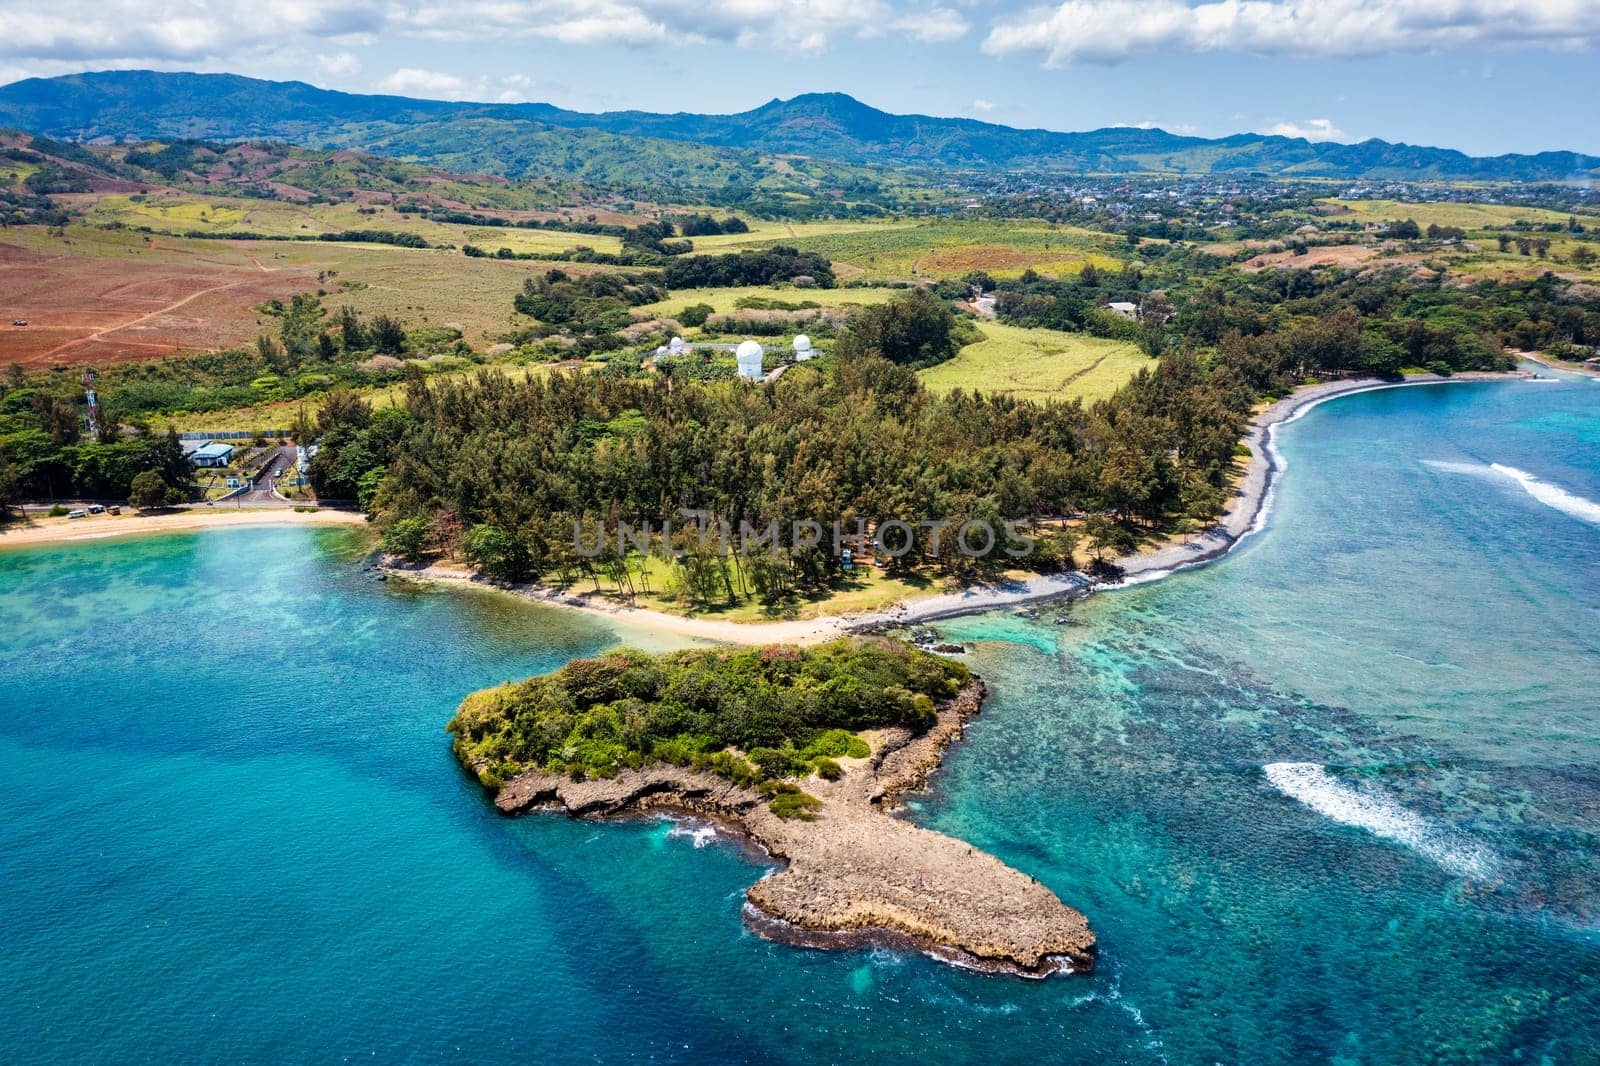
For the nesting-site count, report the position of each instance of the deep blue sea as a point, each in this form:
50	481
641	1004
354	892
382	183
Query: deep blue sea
1333	799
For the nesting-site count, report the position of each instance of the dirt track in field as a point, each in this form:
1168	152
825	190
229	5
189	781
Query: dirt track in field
102	310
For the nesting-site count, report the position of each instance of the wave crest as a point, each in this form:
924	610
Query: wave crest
1313	786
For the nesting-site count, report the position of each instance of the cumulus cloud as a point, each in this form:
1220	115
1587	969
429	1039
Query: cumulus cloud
1109	31
192	32
980	104
339	65
412	81
174	30
439	85
1312	129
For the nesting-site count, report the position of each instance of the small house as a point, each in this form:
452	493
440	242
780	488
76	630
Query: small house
1123	308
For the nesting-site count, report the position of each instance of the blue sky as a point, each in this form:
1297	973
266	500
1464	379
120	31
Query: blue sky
1485	76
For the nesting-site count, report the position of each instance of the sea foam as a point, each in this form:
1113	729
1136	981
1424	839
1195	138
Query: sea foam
1381	816
1585	510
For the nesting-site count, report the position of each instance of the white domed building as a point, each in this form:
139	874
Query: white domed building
749	356
802	348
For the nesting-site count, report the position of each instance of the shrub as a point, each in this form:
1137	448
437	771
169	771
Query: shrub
696	314
827	769
406	538
792	804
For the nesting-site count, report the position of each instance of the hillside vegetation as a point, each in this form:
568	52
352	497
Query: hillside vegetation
711	150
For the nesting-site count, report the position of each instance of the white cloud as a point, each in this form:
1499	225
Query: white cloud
1109	31
339	65
1312	129
801	25
980	104
410	81
439	85
108	33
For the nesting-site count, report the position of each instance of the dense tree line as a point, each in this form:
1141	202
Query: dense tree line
764	266
707	226
504	472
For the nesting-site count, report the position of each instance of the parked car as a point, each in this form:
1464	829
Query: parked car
95	508
78	513
19	322
113	509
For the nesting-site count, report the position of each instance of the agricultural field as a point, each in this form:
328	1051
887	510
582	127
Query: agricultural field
1039	364
185	212
96	297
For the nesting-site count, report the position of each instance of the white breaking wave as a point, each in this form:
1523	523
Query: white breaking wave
1567	503
1313	786
699	834
1468	469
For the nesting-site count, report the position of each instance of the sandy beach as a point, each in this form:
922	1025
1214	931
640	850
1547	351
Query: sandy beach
37	529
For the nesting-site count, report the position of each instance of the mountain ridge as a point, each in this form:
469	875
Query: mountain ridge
830	126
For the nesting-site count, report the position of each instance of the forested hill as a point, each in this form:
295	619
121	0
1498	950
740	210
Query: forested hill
829	126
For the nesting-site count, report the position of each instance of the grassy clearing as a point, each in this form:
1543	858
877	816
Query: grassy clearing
865	589
763	234
1038	364
951	247
1467	216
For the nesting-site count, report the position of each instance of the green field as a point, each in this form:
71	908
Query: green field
1038	364
725	300
1466	216
187	212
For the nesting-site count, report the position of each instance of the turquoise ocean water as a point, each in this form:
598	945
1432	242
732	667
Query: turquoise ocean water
1336	798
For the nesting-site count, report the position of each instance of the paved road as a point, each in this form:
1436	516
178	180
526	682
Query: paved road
261	492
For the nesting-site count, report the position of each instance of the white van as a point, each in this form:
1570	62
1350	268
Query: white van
79	513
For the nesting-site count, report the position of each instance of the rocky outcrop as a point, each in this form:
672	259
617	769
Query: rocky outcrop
856	873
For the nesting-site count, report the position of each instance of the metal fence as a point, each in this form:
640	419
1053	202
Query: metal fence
235	434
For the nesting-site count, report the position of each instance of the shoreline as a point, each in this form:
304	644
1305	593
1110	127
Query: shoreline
855	874
34	531
1245	515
